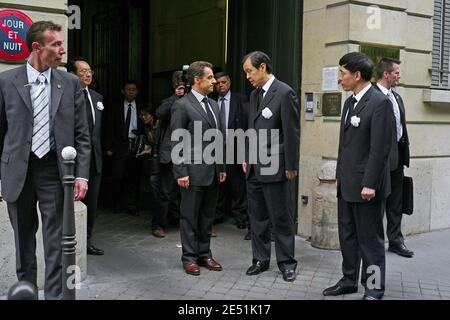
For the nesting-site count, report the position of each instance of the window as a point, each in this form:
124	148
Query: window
441	45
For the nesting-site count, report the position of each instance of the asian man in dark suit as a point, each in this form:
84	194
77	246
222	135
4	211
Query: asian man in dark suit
194	115
94	112
124	126
233	116
388	75
273	112
41	112
363	179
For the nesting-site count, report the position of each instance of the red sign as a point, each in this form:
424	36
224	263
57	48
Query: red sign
14	26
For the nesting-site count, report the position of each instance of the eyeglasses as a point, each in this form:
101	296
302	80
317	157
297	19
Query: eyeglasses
84	71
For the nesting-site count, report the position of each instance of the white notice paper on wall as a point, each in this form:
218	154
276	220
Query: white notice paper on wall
330	79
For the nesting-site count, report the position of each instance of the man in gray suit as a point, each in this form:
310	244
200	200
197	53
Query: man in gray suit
362	179
388	75
41	112
199	180
273	111
94	111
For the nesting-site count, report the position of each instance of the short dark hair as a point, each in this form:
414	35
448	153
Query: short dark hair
357	61
129	81
197	69
221	74
177	79
257	58
385	65
37	30
148	109
71	65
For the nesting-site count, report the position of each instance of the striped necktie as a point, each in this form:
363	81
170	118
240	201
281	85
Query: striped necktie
41	118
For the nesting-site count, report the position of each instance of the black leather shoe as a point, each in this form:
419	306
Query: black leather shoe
369	298
91	250
257	268
338	290
401	250
248	236
289	275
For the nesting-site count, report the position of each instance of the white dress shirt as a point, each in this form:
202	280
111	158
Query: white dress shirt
226	99
133	120
200	98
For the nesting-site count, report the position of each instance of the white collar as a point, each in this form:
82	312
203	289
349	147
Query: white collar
268	84
227	96
361	94
198	95
384	89
33	74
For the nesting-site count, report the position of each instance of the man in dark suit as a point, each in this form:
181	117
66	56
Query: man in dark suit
233	116
274	115
165	184
199	179
41	112
362	178
388	75
124	127
94	109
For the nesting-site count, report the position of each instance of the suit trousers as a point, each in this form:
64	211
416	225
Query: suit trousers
233	195
197	210
168	193
394	207
361	236
126	171
271	204
91	199
43	186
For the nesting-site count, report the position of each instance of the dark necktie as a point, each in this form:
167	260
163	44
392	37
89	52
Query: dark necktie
128	121
88	111
260	98
223	119
351	111
208	111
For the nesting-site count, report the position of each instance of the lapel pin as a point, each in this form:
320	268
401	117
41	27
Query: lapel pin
59	86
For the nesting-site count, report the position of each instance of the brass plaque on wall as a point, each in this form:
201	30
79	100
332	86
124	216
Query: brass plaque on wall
332	104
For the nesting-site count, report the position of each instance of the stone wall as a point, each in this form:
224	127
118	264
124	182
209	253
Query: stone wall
333	28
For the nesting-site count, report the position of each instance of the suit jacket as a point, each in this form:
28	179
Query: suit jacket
163	113
364	151
185	112
400	150
115	139
238	119
282	101
96	137
68	119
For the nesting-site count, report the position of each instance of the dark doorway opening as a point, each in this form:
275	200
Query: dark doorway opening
147	41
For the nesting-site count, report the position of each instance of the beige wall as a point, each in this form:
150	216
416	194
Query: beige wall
334	28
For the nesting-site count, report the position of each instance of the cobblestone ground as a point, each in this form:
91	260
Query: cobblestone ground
138	266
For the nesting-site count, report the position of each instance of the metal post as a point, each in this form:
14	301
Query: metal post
69	239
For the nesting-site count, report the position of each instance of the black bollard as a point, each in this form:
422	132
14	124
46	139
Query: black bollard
69	239
23	290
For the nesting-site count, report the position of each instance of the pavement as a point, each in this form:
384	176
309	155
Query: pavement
138	266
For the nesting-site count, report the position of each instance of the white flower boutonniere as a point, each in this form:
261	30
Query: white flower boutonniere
100	106
355	121
267	114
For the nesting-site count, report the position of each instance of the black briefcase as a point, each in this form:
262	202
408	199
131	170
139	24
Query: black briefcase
408	196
